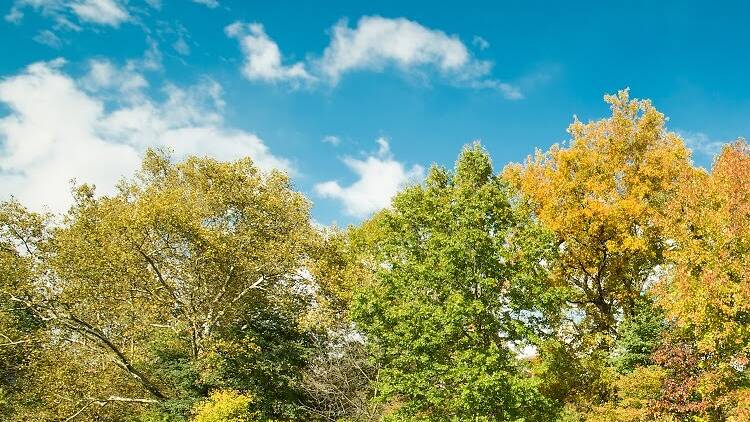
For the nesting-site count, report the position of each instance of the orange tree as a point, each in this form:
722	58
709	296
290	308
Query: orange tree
603	196
708	290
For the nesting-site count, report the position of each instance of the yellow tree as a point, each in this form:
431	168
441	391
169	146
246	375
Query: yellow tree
604	195
708	290
187	278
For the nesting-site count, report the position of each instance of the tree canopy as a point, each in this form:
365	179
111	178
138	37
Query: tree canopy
604	196
604	280
460	284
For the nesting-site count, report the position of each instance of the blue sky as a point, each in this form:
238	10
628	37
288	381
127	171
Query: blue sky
355	99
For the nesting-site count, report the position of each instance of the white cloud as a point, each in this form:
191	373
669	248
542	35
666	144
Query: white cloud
209	3
57	131
374	44
480	42
15	15
124	83
151	60
332	139
54	8
380	177
48	38
377	42
263	60
509	91
103	75
100	12
181	46
701	143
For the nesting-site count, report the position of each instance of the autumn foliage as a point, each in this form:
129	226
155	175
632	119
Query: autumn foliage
606	279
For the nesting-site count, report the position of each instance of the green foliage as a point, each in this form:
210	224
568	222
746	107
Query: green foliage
262	353
460	280
200	292
639	335
574	378
20	328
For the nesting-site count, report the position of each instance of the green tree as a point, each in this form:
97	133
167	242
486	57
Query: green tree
638	336
460	282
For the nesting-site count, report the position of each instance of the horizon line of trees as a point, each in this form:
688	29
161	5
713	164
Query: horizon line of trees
604	280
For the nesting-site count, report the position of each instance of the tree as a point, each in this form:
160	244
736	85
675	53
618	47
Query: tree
20	329
707	291
152	293
639	335
681	394
459	281
604	197
341	382
340	379
634	398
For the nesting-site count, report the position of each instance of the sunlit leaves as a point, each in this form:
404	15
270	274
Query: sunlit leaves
604	196
459	280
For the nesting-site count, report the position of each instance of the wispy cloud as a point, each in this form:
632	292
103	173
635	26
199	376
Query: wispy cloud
701	143
99	12
208	3
14	15
480	42
332	139
48	38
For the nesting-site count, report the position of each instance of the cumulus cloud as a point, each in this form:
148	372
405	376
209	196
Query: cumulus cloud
61	128
104	75
380	177
374	44
377	42
126	82
263	61
100	12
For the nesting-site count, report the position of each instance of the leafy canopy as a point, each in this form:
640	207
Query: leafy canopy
460	282
604	197
188	278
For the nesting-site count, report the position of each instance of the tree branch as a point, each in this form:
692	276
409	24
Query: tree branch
123	360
